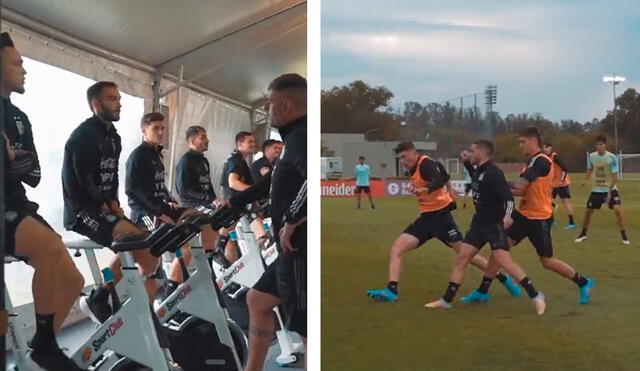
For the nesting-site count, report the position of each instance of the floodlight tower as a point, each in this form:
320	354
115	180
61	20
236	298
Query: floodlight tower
614	80
490	98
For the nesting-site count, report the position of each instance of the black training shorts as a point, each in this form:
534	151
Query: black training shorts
12	220
596	199
438	224
97	226
493	233
563	192
538	231
365	189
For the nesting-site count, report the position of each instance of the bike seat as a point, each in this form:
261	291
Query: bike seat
10	259
84	244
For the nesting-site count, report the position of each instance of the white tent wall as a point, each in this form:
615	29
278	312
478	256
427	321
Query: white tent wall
43	49
221	120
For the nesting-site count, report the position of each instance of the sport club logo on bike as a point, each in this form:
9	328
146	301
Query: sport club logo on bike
183	294
109	332
229	276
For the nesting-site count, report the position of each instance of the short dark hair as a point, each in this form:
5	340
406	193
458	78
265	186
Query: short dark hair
486	144
361	158
148	118
404	146
240	137
268	143
194	130
5	41
288	81
95	90
531	132
601	138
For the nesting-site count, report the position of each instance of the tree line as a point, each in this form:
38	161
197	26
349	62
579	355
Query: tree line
360	108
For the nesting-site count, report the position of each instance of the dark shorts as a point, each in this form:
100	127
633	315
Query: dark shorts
12	220
538	231
438	224
97	226
480	234
360	189
268	282
563	192
596	199
467	188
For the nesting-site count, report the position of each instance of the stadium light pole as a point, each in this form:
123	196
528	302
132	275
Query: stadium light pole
614	80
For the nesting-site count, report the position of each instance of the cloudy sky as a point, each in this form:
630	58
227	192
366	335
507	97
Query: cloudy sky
545	56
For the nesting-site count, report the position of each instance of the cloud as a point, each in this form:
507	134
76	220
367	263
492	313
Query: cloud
544	56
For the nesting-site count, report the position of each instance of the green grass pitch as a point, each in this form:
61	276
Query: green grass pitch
503	334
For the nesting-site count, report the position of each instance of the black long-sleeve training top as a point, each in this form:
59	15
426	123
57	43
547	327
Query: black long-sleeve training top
237	165
258	165
145	182
492	195
193	180
25	168
433	172
90	168
288	180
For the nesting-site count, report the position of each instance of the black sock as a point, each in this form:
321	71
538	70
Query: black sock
528	286
571	219
579	279
501	277
172	285
44	331
623	233
584	232
451	292
484	285
393	287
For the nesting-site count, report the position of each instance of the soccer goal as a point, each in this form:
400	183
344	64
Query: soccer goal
629	166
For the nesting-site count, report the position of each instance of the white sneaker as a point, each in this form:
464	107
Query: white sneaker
539	303
580	238
626	242
440	303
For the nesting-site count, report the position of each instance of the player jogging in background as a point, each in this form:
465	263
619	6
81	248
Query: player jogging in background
428	184
532	219
560	183
362	173
601	165
494	204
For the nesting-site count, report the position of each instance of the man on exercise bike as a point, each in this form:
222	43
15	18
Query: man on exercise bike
150	201
90	191
193	183
284	282
57	282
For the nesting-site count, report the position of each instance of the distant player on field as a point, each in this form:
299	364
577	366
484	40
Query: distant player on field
467	185
428	183
532	219
601	165
362	173
560	182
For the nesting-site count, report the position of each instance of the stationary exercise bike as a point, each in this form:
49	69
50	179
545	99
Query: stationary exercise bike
127	340
236	279
201	334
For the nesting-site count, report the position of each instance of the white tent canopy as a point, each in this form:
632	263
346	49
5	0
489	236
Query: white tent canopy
208	62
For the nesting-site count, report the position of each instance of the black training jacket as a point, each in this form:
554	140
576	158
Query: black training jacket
193	180
262	162
90	168
492	195
25	168
144	182
287	181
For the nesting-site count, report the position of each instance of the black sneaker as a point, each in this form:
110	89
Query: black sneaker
50	357
96	305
